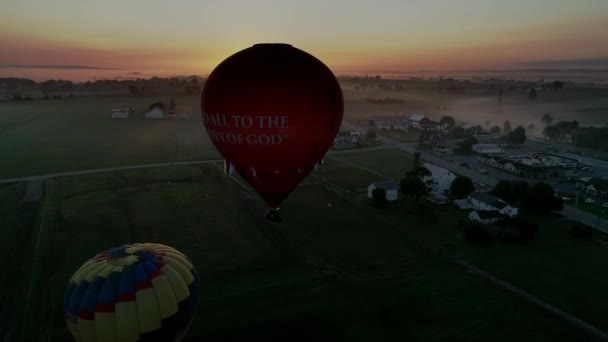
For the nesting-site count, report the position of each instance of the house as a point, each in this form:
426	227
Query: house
423	123
391	122
483	201
594	186
391	188
486	216
442	179
156	113
120	113
487	149
463	204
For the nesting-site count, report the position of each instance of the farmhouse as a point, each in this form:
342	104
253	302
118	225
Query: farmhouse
421	122
485	216
391	188
594	186
442	179
481	201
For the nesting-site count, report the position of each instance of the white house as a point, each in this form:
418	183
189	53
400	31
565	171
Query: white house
485	216
391	188
442	179
482	201
120	114
155	113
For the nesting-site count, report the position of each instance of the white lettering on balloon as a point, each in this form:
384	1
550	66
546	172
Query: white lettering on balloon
238	121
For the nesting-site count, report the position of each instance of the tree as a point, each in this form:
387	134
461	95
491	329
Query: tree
495	130
466	146
379	198
532	95
511	191
518	136
506	127
500	91
541	199
371	132
531	127
504	191
546	119
417	182
448	121
477	130
462	186
557	85
413	187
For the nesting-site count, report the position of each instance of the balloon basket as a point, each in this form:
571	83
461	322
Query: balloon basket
274	215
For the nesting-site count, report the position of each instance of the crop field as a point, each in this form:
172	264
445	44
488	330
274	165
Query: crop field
331	269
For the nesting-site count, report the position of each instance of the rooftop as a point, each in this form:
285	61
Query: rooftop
488	214
386	185
487	198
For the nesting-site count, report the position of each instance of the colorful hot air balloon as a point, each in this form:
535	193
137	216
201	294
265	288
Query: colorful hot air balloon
138	292
273	111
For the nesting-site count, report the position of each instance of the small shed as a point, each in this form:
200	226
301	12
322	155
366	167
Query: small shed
391	188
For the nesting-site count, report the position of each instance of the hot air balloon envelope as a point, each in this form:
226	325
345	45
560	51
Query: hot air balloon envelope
138	292
273	111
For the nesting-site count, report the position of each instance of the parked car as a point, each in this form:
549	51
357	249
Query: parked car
589	200
566	199
483	171
605	205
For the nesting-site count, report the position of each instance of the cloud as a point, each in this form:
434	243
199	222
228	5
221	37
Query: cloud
56	67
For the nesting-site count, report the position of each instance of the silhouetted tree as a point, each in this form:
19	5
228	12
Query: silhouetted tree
532	95
495	130
500	91
448	121
462	186
557	85
466	146
540	199
518	136
506	127
379	198
546	119
531	127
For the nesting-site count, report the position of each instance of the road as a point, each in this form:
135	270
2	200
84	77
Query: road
491	181
147	166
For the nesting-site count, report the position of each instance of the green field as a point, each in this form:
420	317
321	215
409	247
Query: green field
335	267
40	137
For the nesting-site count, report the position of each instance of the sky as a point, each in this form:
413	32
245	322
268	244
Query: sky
82	38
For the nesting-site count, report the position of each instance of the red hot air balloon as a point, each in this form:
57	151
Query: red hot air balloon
272	111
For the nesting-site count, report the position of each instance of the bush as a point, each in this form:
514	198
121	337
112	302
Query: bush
477	233
581	231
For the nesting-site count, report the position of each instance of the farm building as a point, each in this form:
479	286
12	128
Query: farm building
391	188
421	122
593	186
482	201
487	149
485	216
442	179
120	113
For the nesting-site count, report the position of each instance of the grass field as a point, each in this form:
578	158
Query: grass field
39	137
336	270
